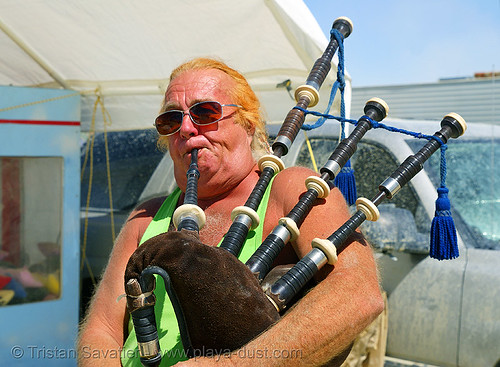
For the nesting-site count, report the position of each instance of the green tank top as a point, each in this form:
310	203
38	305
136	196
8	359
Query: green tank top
168	330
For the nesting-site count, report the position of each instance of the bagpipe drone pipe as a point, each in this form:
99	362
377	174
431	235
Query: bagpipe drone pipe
203	277
188	219
325	251
307	95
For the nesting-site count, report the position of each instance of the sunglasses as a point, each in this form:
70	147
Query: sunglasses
201	113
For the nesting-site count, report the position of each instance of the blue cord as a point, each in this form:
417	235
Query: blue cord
338	85
443	233
374	124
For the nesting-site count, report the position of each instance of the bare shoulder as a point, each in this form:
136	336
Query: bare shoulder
142	215
289	186
147	208
290	183
291	174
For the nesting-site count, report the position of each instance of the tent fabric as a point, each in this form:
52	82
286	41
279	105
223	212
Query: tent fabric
124	50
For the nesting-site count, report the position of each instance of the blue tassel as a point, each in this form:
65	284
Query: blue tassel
346	183
444	244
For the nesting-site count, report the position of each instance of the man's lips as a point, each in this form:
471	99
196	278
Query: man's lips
188	152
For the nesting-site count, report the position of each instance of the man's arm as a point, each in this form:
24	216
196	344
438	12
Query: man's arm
102	333
324	323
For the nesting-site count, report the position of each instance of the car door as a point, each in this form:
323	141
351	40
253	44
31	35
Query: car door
476	195
480	322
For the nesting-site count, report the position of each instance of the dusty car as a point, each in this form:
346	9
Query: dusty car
440	312
443	313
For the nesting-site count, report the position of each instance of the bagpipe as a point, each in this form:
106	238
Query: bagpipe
218	311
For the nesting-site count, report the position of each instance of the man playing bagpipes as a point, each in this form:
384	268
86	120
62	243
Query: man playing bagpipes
211	108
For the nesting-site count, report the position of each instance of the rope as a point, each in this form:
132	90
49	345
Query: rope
38	102
375	125
443	233
106	117
443	164
89	156
339	84
89	152
443	236
311	153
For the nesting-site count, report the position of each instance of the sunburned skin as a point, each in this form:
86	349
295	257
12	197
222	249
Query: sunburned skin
220	144
322	325
211	230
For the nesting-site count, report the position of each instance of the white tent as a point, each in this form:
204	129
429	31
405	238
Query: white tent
124	50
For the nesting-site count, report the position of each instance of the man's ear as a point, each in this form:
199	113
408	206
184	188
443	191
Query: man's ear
250	134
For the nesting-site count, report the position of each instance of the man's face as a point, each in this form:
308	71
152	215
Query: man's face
224	155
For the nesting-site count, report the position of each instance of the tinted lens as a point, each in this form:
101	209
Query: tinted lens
169	122
205	113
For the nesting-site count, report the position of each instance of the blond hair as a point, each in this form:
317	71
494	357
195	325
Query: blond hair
249	116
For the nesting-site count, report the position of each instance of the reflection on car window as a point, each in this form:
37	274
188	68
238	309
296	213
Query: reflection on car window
30	241
133	157
473	179
372	164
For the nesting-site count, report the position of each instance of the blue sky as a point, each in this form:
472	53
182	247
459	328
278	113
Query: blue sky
406	42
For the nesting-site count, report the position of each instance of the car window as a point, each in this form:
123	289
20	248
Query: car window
133	156
404	224
473	179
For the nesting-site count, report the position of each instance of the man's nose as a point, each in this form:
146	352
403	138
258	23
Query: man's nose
188	127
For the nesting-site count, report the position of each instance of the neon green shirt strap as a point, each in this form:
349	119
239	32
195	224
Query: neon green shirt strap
168	330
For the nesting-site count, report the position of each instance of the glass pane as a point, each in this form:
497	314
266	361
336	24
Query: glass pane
473	179
133	156
403	224
30	227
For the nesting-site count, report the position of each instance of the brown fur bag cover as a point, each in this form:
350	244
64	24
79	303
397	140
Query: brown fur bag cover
223	303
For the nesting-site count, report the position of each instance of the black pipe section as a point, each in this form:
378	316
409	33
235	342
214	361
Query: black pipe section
237	233
191	194
144	319
285	288
261	261
295	118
